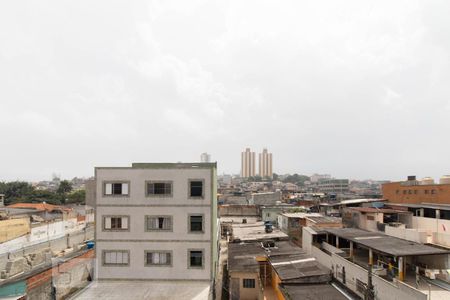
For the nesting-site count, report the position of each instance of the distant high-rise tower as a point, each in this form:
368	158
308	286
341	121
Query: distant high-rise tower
248	165
265	164
205	157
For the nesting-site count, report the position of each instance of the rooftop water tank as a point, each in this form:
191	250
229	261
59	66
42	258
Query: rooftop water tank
445	179
427	180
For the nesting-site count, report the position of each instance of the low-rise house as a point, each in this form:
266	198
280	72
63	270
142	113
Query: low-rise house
49	211
269	198
336	208
270	212
264	270
350	253
292	223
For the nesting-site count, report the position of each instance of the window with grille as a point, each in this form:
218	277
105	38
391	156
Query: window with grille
159	188
249	283
116	257
158	258
158	222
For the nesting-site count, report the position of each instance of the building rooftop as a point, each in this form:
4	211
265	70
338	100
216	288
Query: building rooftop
324	219
299	267
124	289
378	210
384	243
312	291
242	256
301	215
353	201
180	165
40	206
10	211
256	232
239	219
423	205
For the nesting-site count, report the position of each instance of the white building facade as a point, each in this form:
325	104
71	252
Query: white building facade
156	221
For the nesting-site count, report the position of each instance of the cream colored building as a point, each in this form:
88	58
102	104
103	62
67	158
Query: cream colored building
248	164
265	164
156	221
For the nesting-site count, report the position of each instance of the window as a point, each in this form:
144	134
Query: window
115	222
196	223
433	191
158	258
116	257
404	192
196	258
116	188
159	188
248	283
426	191
195	188
158	223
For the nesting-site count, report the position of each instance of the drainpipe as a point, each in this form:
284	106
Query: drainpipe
351	250
400	269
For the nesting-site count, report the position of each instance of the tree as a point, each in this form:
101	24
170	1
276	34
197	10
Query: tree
64	187
16	191
275	176
77	196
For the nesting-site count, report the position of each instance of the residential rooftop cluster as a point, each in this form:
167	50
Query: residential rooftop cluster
176	230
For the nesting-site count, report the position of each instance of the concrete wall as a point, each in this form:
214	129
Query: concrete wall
245	293
271	214
307	239
431	224
56	245
66	278
46	232
407	234
441	238
90	187
238	210
13	228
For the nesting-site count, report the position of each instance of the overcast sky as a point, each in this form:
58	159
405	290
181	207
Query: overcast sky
357	89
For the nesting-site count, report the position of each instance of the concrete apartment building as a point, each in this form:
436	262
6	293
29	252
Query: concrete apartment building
265	164
414	191
156	221
333	186
248	164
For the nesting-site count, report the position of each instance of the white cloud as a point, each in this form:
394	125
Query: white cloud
347	88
